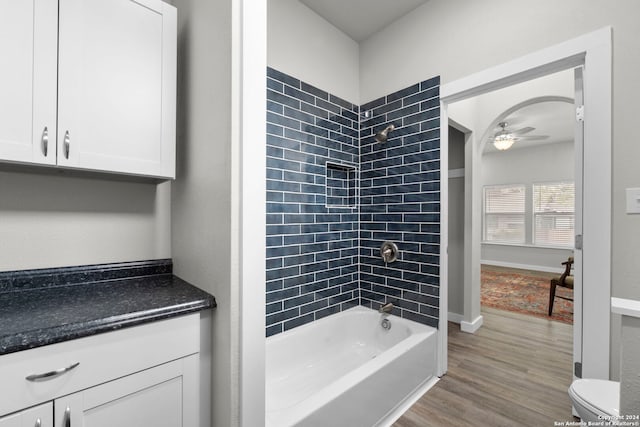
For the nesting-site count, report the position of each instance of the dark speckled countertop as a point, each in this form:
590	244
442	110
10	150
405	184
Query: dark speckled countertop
41	307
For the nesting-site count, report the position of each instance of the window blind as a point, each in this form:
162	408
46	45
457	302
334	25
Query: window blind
553	211
504	213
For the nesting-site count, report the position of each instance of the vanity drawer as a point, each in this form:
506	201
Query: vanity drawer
99	358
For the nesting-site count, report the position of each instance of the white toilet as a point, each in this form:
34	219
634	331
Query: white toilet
595	400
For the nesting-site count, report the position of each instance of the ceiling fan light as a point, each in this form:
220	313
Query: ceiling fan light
503	142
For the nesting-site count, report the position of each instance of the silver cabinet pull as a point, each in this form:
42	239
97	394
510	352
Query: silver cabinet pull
67	144
45	141
38	423
51	374
67	417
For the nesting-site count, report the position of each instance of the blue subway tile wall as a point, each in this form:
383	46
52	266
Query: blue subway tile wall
312	216
334	195
400	201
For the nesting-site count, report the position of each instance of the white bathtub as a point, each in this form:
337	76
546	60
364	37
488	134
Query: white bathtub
346	370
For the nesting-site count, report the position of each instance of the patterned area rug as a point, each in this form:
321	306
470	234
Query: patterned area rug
523	291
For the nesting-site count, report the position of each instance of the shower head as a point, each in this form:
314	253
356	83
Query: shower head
383	134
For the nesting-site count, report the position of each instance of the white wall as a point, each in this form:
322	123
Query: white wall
454	39
543	163
249	201
478	113
304	45
201	194
218	197
55	219
546	162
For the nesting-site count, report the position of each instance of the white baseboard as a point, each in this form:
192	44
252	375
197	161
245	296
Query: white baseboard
395	415
471	327
543	268
455	317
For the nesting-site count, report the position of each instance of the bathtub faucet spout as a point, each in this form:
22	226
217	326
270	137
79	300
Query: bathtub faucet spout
386	308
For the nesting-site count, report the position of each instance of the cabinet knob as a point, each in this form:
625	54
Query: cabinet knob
38	421
45	141
67	144
67	417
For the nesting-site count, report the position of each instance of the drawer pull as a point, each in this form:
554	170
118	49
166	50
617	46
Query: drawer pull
51	374
67	417
38	423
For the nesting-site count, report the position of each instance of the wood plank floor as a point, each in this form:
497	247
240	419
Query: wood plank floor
515	371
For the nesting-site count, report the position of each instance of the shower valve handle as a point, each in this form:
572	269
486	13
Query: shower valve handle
389	252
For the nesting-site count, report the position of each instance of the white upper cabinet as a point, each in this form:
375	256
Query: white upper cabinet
116	93
28	62
109	67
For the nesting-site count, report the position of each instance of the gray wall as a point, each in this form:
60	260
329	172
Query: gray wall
459	44
543	163
456	224
57	219
526	257
201	193
448	30
304	45
458	47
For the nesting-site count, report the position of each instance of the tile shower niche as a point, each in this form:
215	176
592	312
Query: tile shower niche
341	186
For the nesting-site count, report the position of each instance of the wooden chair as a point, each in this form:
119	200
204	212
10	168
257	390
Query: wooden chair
565	280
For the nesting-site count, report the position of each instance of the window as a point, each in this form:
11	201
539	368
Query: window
504	214
553	214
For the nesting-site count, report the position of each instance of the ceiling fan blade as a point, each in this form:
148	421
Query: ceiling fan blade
523	131
532	138
513	121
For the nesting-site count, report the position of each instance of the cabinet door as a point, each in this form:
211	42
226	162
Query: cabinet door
28	62
38	416
116	98
153	397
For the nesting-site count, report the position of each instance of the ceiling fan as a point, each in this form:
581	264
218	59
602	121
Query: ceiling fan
503	139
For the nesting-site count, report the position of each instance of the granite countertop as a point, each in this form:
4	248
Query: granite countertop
42	307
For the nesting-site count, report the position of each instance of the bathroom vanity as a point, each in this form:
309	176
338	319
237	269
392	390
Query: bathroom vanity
106	345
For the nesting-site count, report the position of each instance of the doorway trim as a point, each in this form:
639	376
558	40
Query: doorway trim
593	52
